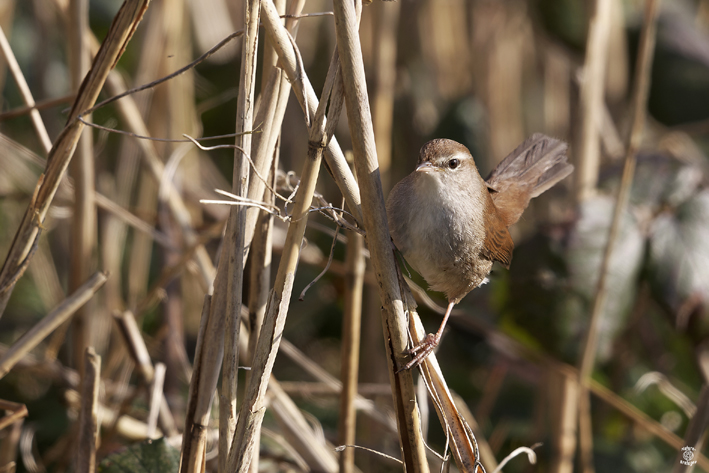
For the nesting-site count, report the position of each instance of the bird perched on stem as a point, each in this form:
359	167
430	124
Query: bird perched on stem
451	225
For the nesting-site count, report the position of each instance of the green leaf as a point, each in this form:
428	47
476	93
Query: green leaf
153	456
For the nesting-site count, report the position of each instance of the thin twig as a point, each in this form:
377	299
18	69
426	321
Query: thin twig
324	271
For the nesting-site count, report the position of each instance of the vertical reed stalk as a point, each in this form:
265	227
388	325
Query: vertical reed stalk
253	407
378	239
386	23
88	414
83	238
351	328
592	99
236	228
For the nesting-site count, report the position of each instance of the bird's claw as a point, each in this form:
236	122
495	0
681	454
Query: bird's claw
421	351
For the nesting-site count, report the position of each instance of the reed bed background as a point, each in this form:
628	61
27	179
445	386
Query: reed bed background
146	325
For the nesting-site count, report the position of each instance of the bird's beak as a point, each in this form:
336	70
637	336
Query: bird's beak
425	167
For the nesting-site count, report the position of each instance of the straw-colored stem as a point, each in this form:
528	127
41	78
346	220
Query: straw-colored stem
260	286
18	257
49	323
253	407
351	329
139	352
386	28
25	91
17	411
592	98
10	443
464	444
156	398
41	105
378	239
88	414
304	92
641	89
131	116
332	384
194	434
236	229
298	431
83	230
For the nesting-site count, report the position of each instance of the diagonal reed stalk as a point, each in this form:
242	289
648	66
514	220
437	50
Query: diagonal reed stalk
641	88
19	255
50	322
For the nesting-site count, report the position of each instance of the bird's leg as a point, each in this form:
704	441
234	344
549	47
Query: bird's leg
423	349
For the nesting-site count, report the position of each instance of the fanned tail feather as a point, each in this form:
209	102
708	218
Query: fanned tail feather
531	169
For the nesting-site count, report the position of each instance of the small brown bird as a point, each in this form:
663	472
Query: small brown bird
451	225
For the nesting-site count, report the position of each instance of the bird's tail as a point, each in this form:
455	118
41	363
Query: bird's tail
531	169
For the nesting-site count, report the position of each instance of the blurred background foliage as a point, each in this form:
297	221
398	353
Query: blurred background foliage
485	73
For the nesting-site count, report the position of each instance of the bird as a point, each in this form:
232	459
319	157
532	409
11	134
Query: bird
450	225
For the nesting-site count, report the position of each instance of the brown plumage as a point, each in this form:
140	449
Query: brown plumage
451	225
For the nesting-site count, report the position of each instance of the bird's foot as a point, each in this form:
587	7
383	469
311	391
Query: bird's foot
422	350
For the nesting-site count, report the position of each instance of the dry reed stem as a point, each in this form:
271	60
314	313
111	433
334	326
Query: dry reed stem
304	92
695	434
88	413
83	228
25	91
130	114
487	457
378	239
41	105
351	331
332	384
50	322
386	21
234	238
194	434
641	89
465	447
262	242
127	427
18	411
271	111
592	99
9	446
253	407
18	257
157	397
565	388
300	435
139	353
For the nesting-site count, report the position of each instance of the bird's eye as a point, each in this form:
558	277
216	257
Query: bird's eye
453	163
